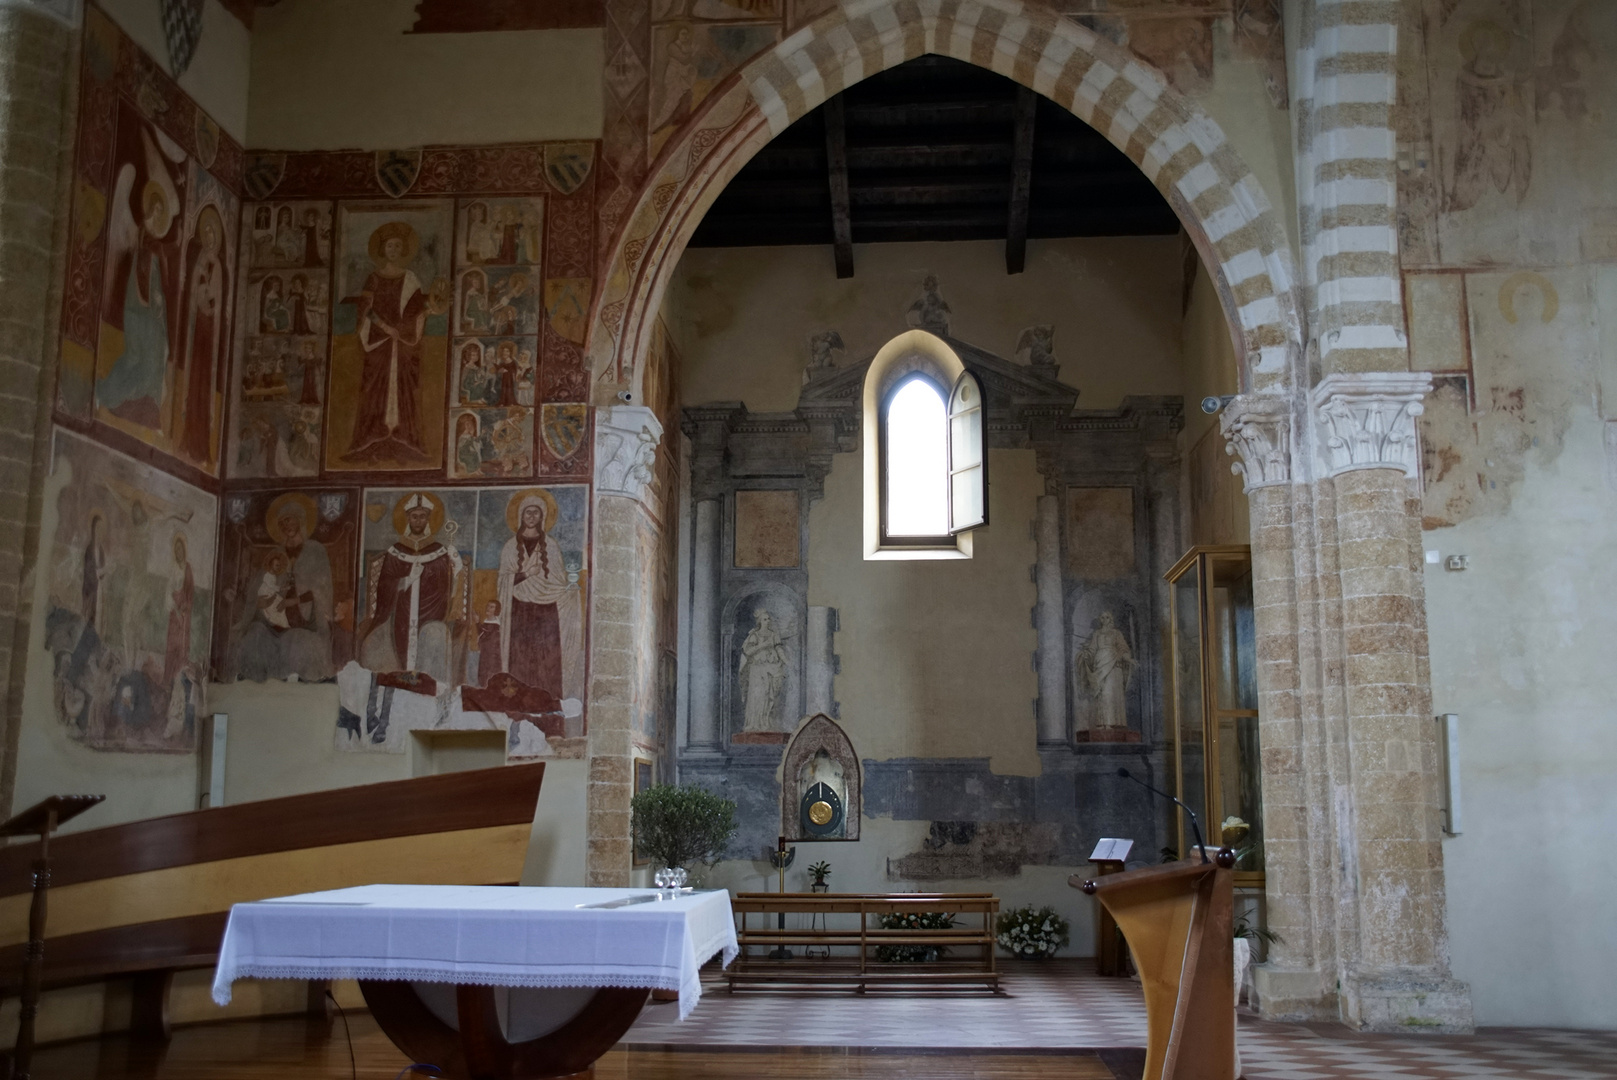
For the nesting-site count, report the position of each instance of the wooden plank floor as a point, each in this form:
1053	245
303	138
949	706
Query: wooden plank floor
280	1049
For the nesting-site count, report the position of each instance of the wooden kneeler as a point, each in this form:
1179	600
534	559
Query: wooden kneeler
1177	920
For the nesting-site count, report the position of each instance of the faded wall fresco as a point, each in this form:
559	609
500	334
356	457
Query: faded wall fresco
1508	219
131	598
152	261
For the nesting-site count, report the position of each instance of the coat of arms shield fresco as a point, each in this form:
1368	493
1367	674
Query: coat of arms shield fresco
562	428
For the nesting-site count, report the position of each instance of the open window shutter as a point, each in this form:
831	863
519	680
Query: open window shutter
968	469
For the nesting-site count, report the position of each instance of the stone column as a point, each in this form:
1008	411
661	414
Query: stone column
821	661
704	672
1297	980
37	68
625	448
1394	943
1051	622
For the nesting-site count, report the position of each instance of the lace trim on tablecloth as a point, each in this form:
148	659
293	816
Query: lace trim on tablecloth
619	979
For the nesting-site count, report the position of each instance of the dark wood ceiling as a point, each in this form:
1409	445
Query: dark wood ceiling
935	149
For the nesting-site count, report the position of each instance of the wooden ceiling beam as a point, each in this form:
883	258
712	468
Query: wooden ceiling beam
836	154
1027	104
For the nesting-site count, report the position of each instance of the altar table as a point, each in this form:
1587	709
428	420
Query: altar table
488	981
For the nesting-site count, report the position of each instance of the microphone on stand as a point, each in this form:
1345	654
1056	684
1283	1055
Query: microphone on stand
1195	826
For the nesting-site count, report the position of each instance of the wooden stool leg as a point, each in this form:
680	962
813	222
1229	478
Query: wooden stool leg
148	1018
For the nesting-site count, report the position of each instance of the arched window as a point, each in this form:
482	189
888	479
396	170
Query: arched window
925	472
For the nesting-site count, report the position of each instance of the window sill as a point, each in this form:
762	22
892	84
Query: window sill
960	549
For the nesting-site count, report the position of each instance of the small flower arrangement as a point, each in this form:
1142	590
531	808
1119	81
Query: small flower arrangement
1031	934
913	954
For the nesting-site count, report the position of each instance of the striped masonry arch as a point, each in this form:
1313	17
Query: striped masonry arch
1178	146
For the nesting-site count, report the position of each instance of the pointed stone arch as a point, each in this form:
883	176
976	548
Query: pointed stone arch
1178	146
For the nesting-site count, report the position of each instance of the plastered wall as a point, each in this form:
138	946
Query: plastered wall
217	77
763	305
345	75
1508	241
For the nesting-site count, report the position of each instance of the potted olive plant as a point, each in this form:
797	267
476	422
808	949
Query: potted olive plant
677	826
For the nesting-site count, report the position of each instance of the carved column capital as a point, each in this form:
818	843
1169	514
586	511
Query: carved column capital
626	439
1257	433
1366	420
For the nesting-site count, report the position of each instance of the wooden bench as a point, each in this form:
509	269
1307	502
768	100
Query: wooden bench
850	949
149	898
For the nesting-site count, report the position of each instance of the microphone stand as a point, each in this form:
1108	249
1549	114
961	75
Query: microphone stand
1195	826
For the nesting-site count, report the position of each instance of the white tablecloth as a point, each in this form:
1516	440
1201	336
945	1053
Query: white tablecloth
482	934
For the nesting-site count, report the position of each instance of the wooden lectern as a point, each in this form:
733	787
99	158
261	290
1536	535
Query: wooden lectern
41	819
1177	919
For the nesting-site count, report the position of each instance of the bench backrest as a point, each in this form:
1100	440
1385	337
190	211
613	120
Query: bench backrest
155	894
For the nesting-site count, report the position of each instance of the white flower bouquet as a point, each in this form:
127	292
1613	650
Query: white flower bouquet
1031	934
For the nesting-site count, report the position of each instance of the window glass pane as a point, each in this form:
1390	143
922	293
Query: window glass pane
917	478
966	456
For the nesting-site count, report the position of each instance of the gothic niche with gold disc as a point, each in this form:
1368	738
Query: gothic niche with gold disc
819	783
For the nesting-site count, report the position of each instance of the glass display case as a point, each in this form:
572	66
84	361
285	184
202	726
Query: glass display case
1213	697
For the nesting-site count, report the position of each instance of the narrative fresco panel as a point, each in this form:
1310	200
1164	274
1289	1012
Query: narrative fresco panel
131	599
284	328
154	208
286	593
390	336
169	268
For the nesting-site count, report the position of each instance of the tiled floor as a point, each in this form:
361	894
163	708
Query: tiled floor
1063	1005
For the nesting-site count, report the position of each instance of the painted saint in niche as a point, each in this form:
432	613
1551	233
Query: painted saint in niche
203	358
1105	667
297	305
541	605
309	373
414	595
505	373
481	245
473	379
142	263
474	317
288	238
392	317
273	317
468	443
288	629
762	674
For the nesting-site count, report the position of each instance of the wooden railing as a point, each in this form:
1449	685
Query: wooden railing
847	954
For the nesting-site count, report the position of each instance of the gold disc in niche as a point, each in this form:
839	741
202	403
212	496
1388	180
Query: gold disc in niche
820	813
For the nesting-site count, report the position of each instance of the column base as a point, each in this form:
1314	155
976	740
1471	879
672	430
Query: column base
1410	1004
1293	994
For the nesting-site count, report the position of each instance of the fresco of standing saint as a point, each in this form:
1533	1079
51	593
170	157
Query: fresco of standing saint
386	405
530	562
415	586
